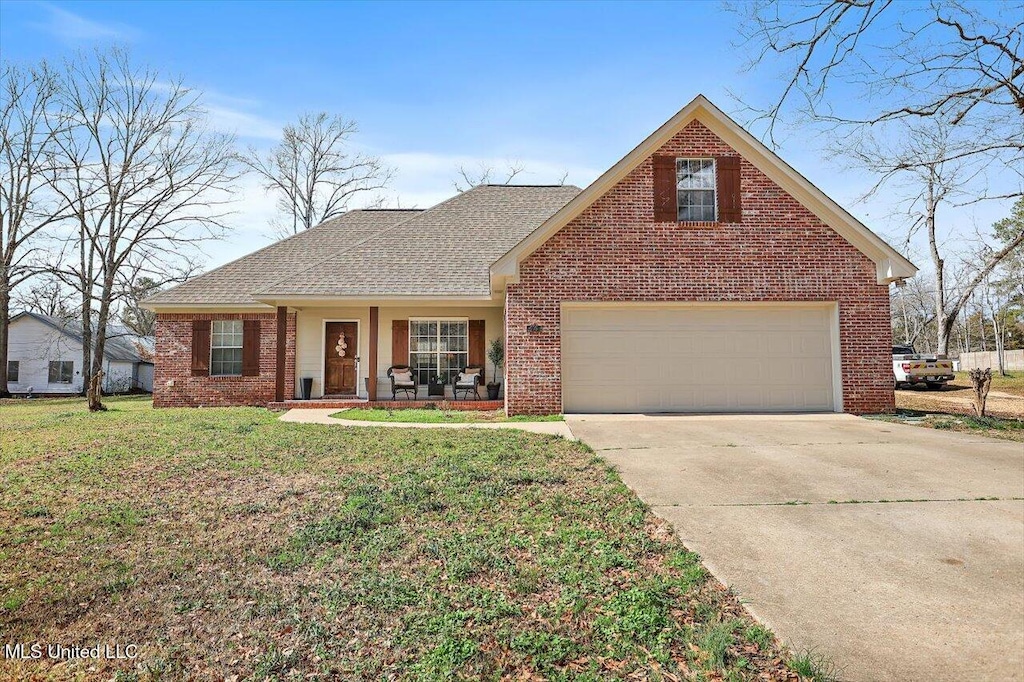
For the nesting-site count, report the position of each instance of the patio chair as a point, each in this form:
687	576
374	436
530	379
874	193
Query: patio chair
402	379
468	381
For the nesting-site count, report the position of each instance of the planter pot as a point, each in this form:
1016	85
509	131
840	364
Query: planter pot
307	387
435	389
492	391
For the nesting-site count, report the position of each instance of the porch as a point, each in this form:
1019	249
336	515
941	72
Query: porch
341	354
341	404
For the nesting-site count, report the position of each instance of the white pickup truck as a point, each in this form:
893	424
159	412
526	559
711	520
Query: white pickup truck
910	367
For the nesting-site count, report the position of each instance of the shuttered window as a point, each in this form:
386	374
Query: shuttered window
226	348
695	190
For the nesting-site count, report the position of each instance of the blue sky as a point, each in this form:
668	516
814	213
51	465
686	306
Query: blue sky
562	88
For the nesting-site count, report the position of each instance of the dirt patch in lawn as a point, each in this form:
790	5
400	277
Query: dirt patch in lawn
226	544
958	398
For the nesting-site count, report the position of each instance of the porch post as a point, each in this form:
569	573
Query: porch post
371	387
282	351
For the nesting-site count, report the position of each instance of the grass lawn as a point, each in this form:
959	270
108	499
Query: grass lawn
227	544
1012	384
995	427
437	416
952	408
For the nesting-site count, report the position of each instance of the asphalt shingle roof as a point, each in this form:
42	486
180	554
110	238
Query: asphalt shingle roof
234	282
446	250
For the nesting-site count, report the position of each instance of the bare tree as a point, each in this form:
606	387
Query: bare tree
47	297
26	152
927	169
962	62
133	315
913	313
467	178
314	172
146	183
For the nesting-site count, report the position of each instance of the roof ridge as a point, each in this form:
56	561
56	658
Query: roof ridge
359	243
505	184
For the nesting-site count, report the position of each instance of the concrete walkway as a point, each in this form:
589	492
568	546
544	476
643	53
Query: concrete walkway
896	551
324	417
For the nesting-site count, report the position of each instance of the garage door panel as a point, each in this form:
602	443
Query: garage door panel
728	359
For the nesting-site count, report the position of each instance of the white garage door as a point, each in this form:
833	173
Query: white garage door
697	359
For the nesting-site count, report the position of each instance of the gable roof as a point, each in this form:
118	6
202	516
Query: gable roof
232	284
445	251
120	345
890	264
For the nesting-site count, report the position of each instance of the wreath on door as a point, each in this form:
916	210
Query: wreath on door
341	347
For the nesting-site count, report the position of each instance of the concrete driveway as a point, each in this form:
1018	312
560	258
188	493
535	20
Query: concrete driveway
861	540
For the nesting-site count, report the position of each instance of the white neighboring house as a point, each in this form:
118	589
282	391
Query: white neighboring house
44	357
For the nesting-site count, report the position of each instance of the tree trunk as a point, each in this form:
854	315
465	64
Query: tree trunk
86	342
99	345
997	332
5	326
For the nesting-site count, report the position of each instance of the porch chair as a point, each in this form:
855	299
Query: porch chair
468	381
402	379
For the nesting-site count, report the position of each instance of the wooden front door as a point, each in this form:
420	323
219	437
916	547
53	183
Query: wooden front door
341	347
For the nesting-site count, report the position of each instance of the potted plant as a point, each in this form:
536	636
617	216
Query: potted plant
496	354
435	385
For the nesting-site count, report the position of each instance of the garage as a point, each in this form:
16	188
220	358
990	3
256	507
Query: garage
699	358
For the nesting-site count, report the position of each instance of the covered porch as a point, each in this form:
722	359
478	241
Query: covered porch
343	351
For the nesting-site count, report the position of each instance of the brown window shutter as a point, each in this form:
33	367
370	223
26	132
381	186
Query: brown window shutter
400	342
200	348
666	209
477	340
728	189
250	348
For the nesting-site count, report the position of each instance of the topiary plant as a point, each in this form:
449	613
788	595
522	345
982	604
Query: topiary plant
496	354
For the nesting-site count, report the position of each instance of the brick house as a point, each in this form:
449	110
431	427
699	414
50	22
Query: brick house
699	274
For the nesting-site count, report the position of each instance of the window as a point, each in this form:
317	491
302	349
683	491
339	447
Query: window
13	368
226	348
61	371
695	190
438	347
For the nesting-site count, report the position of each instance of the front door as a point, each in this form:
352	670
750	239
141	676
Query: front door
340	361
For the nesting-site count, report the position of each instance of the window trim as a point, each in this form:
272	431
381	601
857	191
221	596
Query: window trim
713	189
437	353
17	371
240	347
71	374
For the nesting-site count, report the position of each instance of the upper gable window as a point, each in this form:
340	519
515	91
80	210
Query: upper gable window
695	190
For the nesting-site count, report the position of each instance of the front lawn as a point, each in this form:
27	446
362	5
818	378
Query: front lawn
994	427
227	544
437	416
1013	383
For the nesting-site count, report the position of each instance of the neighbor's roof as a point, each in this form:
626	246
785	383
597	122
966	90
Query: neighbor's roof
120	345
444	251
234	282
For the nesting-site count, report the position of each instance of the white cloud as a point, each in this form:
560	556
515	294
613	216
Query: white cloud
74	28
226	119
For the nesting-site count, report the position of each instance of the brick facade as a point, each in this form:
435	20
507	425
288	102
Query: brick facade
174	364
614	251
